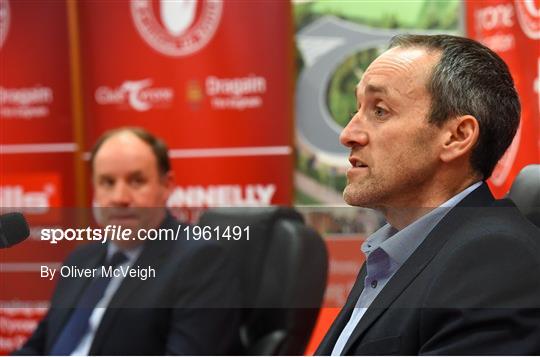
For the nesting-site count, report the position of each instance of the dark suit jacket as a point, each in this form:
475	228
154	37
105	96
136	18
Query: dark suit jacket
183	310
472	287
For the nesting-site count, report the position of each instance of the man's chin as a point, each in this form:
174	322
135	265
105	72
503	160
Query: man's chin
125	223
355	197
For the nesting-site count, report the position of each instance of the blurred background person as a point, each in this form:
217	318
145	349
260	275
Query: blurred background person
179	311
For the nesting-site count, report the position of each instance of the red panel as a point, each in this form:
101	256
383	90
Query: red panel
220	89
511	28
345	260
36	158
34	74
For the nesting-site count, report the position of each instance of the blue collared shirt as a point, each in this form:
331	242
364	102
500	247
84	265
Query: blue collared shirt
386	251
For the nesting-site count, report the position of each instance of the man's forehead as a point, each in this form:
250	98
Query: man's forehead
372	88
125	153
398	67
110	169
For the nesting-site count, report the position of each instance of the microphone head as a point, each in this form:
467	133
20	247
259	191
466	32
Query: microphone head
13	229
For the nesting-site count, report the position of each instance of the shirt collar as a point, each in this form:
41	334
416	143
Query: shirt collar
399	245
134	253
131	254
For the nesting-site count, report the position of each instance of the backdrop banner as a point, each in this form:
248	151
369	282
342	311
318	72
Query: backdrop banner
512	29
36	153
213	78
205	77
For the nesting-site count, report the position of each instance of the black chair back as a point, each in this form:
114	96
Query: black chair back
282	269
525	192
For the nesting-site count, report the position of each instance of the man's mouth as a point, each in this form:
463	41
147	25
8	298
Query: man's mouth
357	163
359	167
122	216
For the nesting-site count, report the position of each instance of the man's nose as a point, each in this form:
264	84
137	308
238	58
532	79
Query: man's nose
121	195
354	133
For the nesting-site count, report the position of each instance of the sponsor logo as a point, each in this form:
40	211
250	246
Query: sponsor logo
493	24
222	195
237	93
138	95
25	103
4	21
32	193
194	94
494	17
529	17
182	27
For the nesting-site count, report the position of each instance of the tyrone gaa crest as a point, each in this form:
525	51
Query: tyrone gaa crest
176	28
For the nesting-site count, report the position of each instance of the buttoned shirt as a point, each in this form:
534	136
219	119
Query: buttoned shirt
386	251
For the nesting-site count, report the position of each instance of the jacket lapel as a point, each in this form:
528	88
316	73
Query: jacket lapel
481	197
67	301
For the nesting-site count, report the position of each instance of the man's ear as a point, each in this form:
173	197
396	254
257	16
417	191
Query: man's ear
460	137
168	183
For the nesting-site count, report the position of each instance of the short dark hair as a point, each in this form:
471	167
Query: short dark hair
471	79
158	146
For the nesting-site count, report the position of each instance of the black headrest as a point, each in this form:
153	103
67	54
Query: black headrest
525	192
249	255
282	270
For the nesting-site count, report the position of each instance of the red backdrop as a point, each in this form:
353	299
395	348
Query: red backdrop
206	79
222	100
512	29
36	153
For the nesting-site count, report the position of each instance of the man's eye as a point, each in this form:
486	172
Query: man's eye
106	183
137	181
380	112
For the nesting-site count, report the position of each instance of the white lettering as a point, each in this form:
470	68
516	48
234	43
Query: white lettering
137	94
500	43
222	196
125	271
237	103
46	272
25	103
75	272
106	95
235	86
26	96
492	17
36	202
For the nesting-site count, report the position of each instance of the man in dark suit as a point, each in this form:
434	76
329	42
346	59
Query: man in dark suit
454	271
180	307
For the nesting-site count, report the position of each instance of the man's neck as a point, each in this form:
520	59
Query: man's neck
401	215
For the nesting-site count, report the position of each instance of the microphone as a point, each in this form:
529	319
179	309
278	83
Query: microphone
13	229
